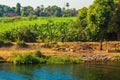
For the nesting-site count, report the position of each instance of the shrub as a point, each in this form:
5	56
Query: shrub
117	58
1	59
42	60
38	53
21	43
25	59
7	43
1	42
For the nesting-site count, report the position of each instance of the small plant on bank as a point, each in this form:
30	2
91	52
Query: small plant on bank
1	59
25	59
37	53
1	42
117	58
7	43
21	43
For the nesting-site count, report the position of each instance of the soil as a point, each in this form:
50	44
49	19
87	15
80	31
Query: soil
72	49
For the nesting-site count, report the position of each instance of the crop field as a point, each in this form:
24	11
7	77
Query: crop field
12	23
41	28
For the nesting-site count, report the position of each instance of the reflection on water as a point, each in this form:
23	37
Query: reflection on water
60	72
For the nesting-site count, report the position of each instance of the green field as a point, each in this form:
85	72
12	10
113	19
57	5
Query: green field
39	28
11	23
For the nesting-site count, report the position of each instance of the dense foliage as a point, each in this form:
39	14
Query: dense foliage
34	30
100	21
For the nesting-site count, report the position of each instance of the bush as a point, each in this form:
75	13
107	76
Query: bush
38	53
1	42
21	43
42	60
7	43
117	58
26	59
1	59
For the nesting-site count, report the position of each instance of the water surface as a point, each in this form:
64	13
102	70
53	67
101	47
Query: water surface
60	72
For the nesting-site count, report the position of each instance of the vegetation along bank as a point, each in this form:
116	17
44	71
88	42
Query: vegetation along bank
22	34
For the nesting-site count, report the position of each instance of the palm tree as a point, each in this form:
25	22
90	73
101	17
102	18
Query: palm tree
67	5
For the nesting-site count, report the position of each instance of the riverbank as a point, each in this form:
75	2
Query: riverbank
85	51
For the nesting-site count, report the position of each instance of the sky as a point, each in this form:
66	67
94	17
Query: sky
61	3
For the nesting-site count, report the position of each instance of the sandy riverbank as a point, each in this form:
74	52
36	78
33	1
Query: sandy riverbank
88	51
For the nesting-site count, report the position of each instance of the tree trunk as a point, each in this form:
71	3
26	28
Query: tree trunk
101	44
118	35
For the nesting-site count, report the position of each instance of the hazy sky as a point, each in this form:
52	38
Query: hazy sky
73	3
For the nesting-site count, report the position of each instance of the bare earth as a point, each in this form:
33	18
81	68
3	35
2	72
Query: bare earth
73	49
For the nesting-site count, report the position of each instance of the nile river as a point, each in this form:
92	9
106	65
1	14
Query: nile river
60	72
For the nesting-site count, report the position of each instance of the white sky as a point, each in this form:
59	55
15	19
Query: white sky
61	3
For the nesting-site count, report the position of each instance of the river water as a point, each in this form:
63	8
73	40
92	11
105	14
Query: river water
60	72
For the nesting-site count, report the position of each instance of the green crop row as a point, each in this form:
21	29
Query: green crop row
41	29
11	23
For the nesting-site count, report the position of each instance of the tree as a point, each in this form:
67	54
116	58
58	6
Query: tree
69	12
82	17
37	11
98	17
26	11
18	9
56	11
81	25
114	23
67	5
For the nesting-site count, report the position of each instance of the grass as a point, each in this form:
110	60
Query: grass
26	59
63	60
37	58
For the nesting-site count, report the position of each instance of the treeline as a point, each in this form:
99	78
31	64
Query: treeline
38	11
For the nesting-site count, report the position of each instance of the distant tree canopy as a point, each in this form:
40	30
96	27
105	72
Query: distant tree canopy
38	11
